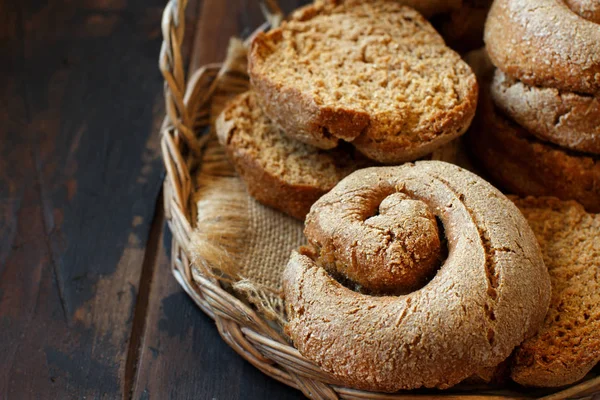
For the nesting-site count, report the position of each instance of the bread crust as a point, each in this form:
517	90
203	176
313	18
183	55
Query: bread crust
267	183
272	191
588	9
544	43
299	115
567	119
525	166
490	293
388	135
567	346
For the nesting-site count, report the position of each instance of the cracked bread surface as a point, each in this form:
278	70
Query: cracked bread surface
279	171
490	293
567	345
382	240
567	119
372	73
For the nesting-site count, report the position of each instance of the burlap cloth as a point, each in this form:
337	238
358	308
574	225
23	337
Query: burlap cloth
237	240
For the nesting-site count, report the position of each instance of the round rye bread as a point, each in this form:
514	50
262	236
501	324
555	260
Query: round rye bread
544	43
567	119
521	164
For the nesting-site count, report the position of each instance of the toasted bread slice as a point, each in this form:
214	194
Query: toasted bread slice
374	73
279	171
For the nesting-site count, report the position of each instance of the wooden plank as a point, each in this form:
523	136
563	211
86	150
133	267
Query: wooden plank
182	355
80	171
221	19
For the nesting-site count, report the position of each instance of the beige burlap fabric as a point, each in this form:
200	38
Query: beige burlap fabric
239	240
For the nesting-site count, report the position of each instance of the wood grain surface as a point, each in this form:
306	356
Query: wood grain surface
88	307
181	345
79	178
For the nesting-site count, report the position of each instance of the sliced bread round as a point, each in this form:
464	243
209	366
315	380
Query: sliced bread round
374	73
279	171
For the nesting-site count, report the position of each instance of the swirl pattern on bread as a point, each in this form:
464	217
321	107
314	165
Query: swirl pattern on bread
489	294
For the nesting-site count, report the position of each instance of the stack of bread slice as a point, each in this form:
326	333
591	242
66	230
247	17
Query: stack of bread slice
540	119
339	86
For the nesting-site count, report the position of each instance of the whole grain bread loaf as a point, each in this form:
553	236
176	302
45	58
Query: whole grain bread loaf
568	119
567	345
544	43
278	171
372	73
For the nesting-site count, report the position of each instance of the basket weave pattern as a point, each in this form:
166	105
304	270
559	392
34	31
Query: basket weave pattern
188	106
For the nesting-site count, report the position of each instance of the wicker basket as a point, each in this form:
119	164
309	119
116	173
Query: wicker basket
188	113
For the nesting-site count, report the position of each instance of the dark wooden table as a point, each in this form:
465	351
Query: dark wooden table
88	306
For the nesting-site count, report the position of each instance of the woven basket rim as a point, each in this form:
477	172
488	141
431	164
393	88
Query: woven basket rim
238	324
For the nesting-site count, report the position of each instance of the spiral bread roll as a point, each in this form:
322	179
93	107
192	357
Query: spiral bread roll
490	293
374	73
544	43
